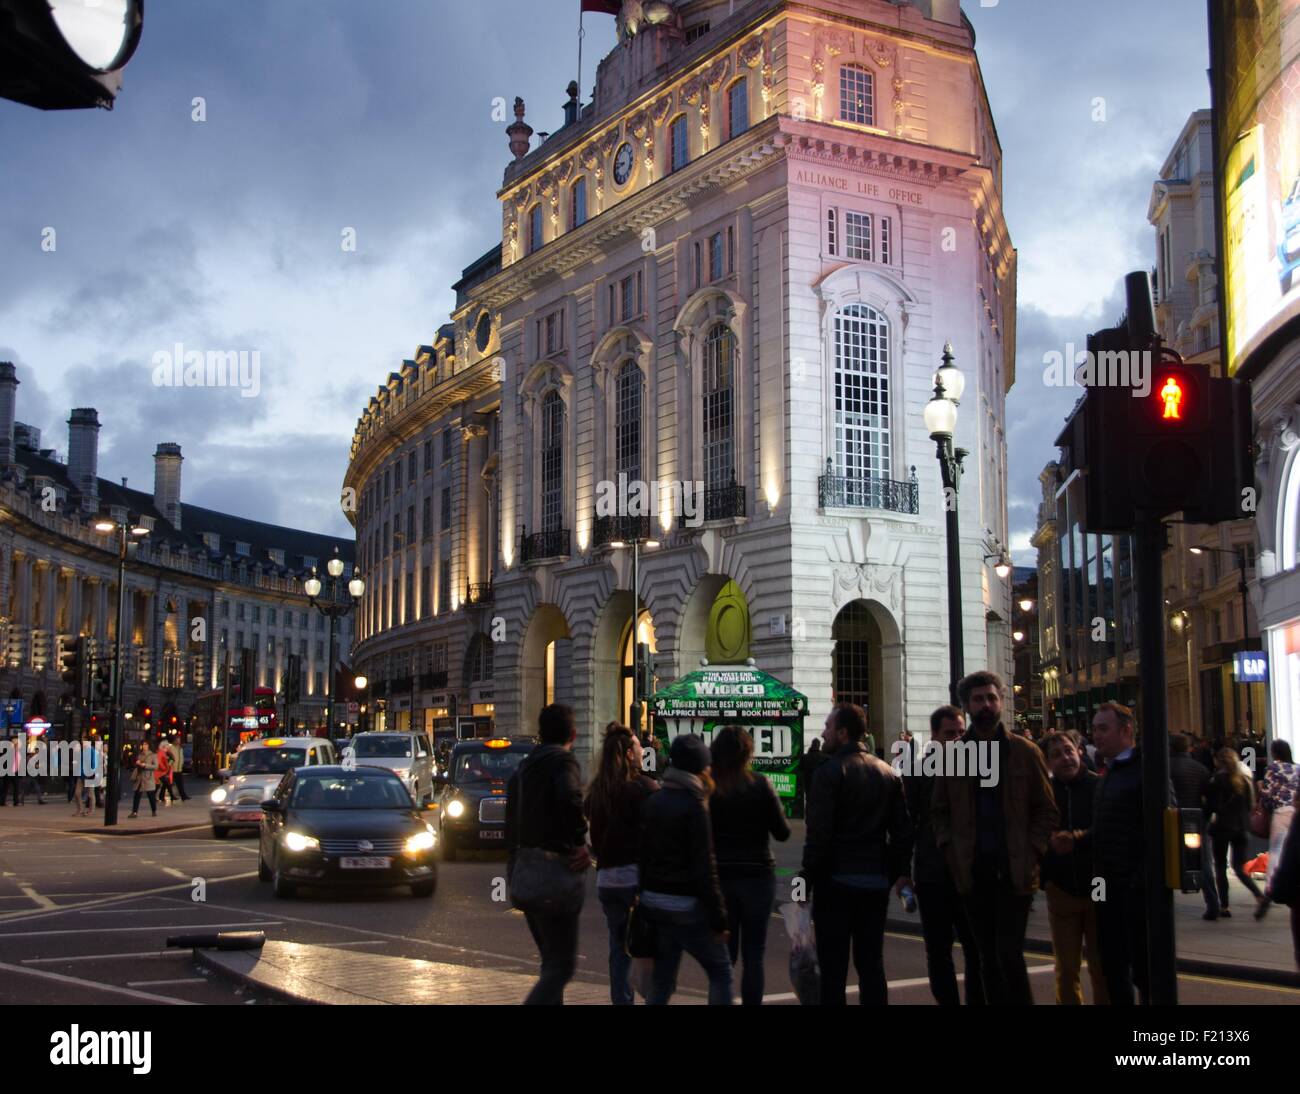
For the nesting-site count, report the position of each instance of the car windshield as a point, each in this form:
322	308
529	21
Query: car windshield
476	767
390	746
350	790
269	761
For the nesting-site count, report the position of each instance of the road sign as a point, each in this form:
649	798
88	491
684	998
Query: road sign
13	713
37	726
1250	667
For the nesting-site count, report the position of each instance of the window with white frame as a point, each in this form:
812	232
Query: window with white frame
679	148
552	462
857	95
578	203
535	229
627	429
715	256
858	236
832	232
719	375
862	436
886	240
738	108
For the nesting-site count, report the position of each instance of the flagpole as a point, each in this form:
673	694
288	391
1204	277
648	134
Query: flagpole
581	34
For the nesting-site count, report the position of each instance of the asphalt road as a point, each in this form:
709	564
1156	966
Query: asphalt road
84	919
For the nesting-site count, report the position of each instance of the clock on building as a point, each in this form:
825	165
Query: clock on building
623	161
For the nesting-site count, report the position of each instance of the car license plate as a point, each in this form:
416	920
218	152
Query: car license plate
365	862
487	834
248	815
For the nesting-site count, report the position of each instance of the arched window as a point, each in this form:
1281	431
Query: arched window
578	204
856	95
552	462
627	429
535	229
861	399
678	146
737	108
719	445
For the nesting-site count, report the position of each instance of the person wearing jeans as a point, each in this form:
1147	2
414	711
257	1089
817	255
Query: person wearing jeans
544	809
680	895
745	812
858	845
613	808
1231	800
144	780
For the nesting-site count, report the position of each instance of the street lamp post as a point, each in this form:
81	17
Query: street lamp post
333	609
941	422
124	530
634	711
362	683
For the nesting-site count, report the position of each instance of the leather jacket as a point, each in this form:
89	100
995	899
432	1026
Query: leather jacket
677	846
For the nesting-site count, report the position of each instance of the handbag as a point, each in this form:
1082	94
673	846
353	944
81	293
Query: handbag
1259	822
641	935
541	882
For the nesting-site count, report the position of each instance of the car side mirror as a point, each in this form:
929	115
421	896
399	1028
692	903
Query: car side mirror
271	806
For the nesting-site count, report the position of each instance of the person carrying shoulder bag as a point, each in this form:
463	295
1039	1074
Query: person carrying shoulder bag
546	833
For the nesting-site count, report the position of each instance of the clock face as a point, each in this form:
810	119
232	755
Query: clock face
623	164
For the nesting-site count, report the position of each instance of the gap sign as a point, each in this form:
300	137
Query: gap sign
1250	667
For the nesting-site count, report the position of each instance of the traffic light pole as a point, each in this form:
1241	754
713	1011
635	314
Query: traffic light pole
115	733
1148	535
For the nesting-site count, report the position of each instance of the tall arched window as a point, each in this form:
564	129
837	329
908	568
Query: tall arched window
627	430
857	95
737	108
861	399
552	462
535	229
719	445
678	145
578	204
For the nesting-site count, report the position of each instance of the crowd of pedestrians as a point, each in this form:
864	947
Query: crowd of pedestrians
684	864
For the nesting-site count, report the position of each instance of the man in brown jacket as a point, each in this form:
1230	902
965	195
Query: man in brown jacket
993	831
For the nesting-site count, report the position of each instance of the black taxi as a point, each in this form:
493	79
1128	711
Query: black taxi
471	795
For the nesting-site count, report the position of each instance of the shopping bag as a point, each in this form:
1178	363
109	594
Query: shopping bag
805	974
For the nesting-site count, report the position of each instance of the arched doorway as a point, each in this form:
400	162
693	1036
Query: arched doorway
715	624
545	669
866	666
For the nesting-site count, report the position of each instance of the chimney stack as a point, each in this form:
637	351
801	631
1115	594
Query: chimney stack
8	408
167	482
83	456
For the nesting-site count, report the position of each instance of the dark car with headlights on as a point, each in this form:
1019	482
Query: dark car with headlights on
471	801
345	826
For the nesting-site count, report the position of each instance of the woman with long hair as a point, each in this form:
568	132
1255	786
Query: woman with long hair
613	808
1231	799
745	812
1277	794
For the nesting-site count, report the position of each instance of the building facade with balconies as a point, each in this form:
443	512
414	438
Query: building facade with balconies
201	585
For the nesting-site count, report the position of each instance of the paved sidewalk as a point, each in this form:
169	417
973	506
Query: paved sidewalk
328	975
56	815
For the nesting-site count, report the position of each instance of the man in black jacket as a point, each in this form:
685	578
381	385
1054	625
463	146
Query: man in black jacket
858	845
1192	786
942	914
1067	877
544	809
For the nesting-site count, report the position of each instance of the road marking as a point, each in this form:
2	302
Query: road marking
363	942
143	996
100	957
130	911
176	873
32	895
163	983
18	917
150	927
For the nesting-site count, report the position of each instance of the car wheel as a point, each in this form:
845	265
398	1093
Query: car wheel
448	848
282	888
221	833
424	888
263	871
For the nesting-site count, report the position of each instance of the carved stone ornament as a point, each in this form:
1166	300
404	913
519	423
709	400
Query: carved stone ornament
638	124
589	157
691	91
751	52
885	56
719	72
609	141
661	109
836	42
523	197
564	171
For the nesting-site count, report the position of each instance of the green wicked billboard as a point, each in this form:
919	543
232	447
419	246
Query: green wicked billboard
772	712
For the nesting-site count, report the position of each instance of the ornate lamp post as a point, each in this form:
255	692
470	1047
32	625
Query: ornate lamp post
635	542
126	531
334	609
941	422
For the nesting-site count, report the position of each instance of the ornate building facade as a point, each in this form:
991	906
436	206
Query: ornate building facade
725	285
200	584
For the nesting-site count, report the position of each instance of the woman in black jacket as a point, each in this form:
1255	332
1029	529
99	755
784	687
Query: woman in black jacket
745	812
1231	799
613	807
680	896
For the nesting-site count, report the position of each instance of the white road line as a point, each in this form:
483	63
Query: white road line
173	872
126	911
101	957
363	942
143	996
149	927
164	983
32	895
18	917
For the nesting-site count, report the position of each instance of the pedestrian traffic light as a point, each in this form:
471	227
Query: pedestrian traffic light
74	667
293	680
1155	434
247	677
1183	852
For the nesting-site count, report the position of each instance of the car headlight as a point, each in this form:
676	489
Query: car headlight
296	841
219	795
421	841
455	808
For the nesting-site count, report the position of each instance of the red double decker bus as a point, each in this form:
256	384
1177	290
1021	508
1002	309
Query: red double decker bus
218	732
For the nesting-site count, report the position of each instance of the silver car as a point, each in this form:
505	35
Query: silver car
256	771
409	755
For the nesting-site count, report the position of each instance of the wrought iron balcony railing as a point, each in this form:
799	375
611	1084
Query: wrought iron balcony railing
611	529
480	592
539	545
868	492
433	680
720	503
